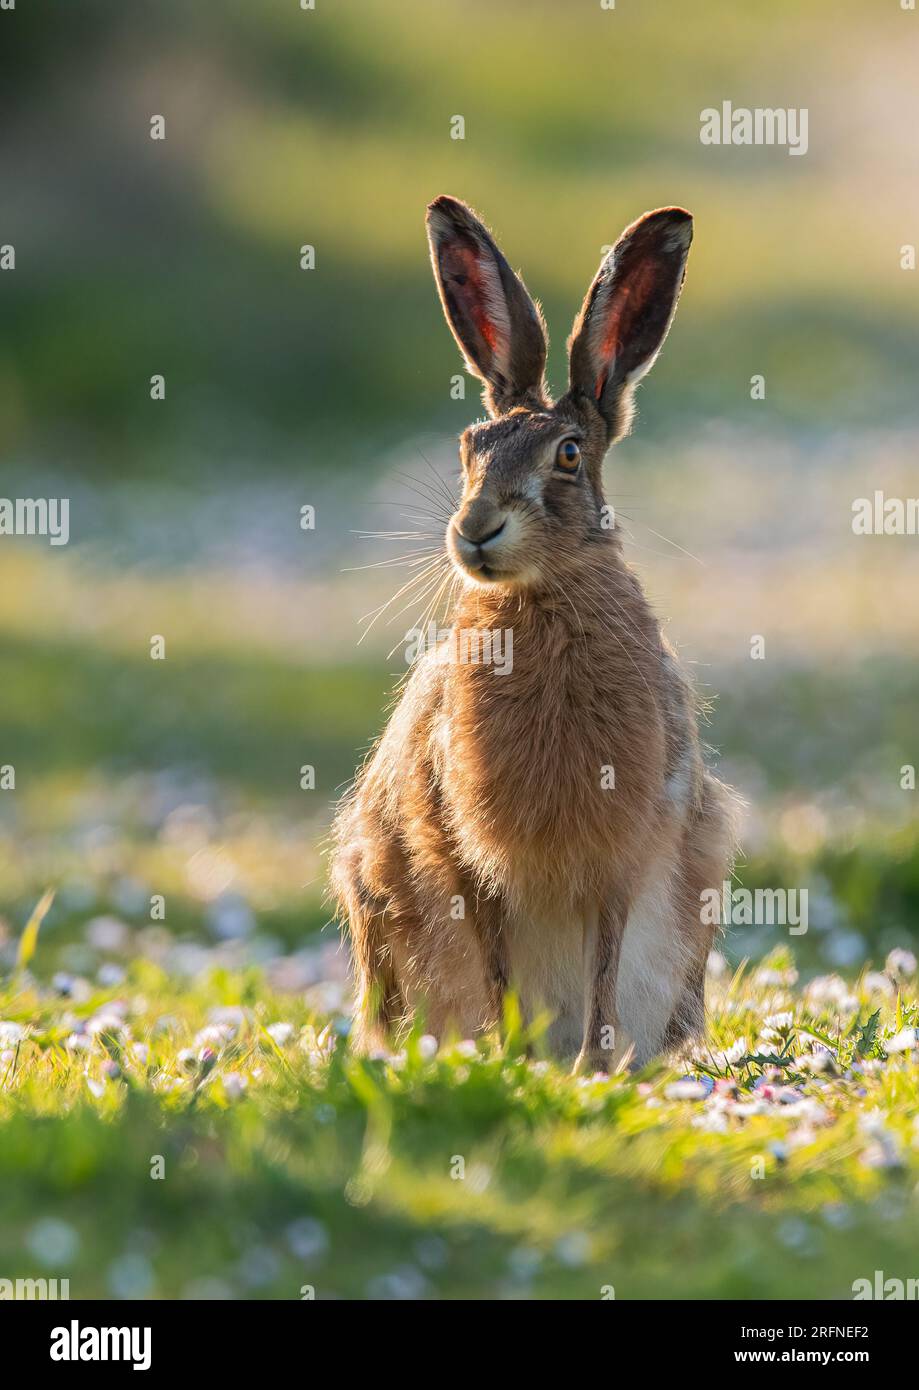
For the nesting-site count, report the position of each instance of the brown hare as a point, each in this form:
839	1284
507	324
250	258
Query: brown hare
549	828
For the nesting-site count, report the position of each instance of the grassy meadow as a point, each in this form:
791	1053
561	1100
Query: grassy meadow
216	1139
180	1113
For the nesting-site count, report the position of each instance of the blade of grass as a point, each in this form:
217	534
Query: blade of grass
29	939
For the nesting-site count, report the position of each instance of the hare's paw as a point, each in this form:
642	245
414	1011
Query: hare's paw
605	1060
590	1061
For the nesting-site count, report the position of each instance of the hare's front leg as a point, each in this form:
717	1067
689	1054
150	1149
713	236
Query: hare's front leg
604	927
491	934
381	1006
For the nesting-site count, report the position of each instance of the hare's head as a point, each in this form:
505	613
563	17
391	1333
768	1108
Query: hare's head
532	502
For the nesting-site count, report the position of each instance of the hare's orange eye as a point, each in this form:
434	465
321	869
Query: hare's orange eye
568	457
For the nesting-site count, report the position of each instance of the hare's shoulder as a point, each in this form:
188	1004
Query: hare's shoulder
401	758
404	740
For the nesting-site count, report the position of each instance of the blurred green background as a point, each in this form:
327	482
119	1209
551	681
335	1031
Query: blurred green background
332	387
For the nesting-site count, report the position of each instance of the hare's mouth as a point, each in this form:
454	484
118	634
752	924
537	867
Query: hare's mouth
489	575
483	569
492	575
482	573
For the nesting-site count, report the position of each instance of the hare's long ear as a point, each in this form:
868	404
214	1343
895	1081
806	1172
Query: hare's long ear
628	310
499	329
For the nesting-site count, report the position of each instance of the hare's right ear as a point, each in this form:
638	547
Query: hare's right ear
627	313
498	328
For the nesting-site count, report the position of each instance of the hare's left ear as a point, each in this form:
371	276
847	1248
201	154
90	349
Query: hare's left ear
627	313
499	329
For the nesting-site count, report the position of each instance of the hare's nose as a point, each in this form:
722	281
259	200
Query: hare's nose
479	534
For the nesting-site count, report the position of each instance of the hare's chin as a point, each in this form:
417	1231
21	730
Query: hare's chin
493	576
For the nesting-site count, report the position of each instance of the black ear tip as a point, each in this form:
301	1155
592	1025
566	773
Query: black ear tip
445	207
668	217
672	226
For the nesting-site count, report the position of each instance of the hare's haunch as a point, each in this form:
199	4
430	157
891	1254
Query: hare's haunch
549	826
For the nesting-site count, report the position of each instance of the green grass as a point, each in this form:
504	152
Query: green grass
294	1163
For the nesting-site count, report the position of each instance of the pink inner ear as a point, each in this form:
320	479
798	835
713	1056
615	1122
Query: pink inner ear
626	303
459	260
